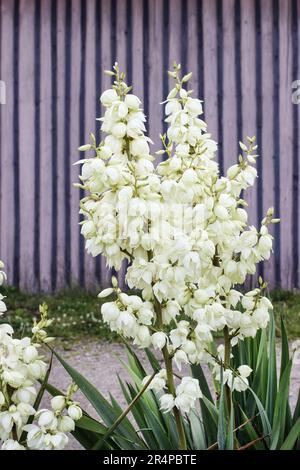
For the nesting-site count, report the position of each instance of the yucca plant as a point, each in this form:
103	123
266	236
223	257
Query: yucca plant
260	417
188	276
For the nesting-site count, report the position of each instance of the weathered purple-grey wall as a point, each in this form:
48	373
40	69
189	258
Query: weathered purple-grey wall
244	56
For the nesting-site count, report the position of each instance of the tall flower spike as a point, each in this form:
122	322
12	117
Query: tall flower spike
184	229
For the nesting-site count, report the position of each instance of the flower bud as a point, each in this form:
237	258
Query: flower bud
105	152
59	441
233	171
159	339
122	110
66	424
166	402
105	293
189	177
119	130
108	97
30	354
10	444
193	107
25	409
75	412
14	378
84	148
179	358
221	212
139	147
244	370
58	403
47	419
37	369
265	243
132	101
110	311
143	336
184	403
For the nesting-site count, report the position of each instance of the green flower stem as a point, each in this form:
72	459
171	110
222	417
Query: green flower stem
171	387
227	351
170	382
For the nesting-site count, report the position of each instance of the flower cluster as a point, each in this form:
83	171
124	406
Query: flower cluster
186	392
183	229
234	379
48	432
129	316
21	367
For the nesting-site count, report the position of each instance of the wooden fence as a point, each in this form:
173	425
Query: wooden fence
244	55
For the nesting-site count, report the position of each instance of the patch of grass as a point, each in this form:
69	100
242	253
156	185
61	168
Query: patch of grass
287	305
76	313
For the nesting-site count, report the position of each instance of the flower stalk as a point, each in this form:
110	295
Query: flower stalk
170	382
227	352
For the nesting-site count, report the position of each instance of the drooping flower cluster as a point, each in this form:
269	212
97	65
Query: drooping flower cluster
182	227
21	367
49	431
186	394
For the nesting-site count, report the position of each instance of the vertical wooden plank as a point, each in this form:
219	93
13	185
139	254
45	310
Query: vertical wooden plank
155	78
210	67
165	21
7	149
276	132
61	116
122	54
90	112
193	45
45	161
54	130
74	137
174	34
81	136
106	38
107	63
26	123
98	76
121	49
37	143
248	88
297	139
137	48
266	151
248	74
295	59
68	158
286	163
184	34
107	60
229	88
2	102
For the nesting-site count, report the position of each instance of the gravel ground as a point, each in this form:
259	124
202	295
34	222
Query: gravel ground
99	362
